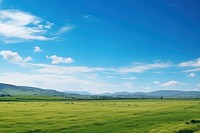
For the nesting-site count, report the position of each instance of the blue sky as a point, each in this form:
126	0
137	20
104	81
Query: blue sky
99	45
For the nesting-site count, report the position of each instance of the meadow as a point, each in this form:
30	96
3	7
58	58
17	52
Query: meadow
101	116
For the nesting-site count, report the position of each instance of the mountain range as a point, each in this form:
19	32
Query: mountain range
8	89
156	94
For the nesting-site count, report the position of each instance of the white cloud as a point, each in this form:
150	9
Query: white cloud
44	68
89	18
37	49
14	57
27	59
156	82
191	75
57	60
110	77
65	29
192	70
158	72
61	82
16	26
147	88
48	25
129	78
128	85
54	69
198	85
143	67
171	83
194	63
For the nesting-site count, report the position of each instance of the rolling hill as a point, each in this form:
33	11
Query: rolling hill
25	90
156	94
7	89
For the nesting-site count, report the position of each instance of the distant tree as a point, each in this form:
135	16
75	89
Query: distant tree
161	97
5	95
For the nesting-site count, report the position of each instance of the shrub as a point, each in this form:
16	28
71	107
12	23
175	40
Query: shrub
187	122
195	121
186	131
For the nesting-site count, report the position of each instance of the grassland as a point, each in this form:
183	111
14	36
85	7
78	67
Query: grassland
101	116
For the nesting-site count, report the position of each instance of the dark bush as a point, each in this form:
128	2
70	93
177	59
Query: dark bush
185	131
187	123
195	121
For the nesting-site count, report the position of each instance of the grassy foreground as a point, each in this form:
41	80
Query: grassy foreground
125	116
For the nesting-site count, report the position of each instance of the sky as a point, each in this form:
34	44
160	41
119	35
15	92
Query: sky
101	46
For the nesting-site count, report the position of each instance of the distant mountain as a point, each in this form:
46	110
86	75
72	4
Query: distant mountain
125	94
155	94
13	90
78	92
7	89
25	90
175	94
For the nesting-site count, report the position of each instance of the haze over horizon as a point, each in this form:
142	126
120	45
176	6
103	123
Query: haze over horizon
101	46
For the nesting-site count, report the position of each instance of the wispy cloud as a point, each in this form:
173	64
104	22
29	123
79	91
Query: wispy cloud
37	49
129	78
198	85
56	60
194	63
172	83
65	29
171	5
19	26
88	18
55	69
14	57
92	19
110	77
191	75
128	85
192	70
143	67
62	82
156	82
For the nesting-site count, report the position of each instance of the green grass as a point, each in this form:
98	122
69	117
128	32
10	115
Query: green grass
37	98
101	116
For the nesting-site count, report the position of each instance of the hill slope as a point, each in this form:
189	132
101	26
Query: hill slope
156	94
24	90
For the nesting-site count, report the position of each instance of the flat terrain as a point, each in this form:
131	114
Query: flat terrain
101	116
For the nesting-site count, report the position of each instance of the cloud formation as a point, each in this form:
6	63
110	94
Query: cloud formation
156	82
192	70
198	85
191	75
65	29
194	63
171	83
16	26
143	67
14	57
55	69
61	82
56	60
37	49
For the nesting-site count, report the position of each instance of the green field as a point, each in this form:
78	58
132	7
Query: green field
101	116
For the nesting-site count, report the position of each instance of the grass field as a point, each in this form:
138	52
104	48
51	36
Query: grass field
103	116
